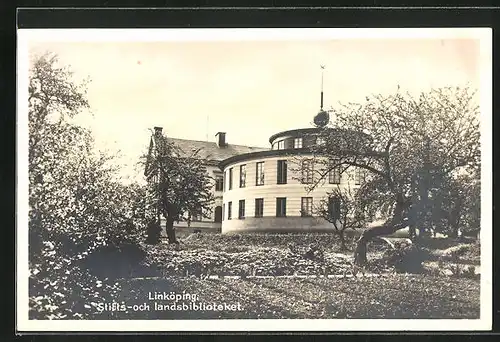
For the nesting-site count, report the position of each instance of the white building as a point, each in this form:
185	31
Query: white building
266	190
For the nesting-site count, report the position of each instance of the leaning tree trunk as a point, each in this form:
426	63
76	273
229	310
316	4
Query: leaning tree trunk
396	223
169	227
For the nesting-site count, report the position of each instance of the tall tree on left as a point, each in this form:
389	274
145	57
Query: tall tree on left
76	203
179	185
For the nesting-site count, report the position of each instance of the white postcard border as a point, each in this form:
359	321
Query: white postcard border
25	36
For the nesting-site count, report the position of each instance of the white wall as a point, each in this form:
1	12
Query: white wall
293	191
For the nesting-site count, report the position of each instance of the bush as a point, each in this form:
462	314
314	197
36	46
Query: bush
77	203
406	257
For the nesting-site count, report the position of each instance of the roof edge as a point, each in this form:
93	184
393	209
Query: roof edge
293	131
268	153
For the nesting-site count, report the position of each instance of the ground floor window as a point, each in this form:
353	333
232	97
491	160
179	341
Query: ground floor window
306	206
218	214
334	207
241	209
259	207
281	207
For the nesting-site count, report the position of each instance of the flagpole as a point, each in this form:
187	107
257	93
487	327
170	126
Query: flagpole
322	71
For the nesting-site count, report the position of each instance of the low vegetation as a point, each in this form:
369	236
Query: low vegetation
87	233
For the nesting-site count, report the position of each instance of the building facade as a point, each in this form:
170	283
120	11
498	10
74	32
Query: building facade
264	189
267	190
212	152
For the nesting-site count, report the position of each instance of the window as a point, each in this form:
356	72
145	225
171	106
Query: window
297	143
320	141
307	171
241	209
259	175
282	172
306	206
196	216
219	183
334	174
218	214
281	145
229	209
230	178
359	176
281	207
223	210
224	178
243	175
334	207
259	207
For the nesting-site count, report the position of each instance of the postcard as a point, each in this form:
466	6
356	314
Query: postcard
254	180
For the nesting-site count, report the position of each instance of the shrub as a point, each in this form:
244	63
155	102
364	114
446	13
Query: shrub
405	257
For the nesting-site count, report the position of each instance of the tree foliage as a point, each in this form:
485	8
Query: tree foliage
179	184
408	145
345	209
76	202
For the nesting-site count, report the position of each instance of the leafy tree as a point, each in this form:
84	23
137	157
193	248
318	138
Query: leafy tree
178	183
456	206
76	203
344	209
407	145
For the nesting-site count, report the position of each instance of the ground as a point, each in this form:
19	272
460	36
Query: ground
295	276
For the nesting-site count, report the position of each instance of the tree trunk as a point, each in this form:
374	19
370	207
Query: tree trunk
343	246
396	223
412	232
386	229
153	232
169	227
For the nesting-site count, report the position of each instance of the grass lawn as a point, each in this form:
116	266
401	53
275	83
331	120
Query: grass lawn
286	293
396	296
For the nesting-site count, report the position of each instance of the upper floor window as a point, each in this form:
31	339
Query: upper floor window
243	175
334	174
259	174
307	171
282	172
281	145
230	178
297	143
219	183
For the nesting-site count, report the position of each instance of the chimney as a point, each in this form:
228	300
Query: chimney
221	139
158	130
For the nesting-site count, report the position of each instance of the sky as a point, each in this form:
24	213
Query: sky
248	89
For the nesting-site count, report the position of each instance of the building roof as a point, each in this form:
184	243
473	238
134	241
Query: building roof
294	132
211	151
262	154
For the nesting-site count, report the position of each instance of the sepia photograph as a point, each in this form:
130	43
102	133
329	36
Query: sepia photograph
254	179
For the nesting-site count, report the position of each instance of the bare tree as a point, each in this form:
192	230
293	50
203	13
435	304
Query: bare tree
343	208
